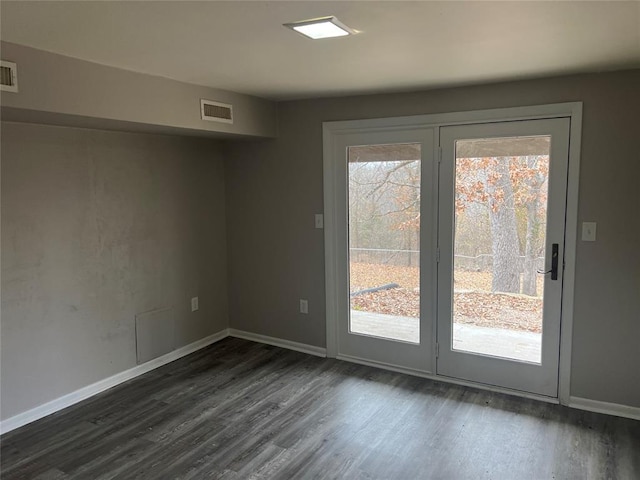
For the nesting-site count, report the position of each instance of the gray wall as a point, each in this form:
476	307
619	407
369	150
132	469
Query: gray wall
276	256
98	227
56	89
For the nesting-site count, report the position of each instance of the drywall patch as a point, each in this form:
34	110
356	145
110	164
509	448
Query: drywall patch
155	334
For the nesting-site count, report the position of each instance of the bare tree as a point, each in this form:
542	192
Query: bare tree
506	185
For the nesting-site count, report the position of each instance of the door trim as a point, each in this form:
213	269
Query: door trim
441	378
537	376
572	110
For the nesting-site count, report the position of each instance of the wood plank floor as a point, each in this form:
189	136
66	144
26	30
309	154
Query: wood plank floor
240	410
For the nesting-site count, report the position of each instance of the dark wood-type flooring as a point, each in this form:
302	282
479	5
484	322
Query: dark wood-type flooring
241	410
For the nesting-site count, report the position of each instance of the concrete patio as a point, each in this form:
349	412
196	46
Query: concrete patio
515	344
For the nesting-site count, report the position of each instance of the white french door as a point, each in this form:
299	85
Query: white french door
501	238
385	283
446	243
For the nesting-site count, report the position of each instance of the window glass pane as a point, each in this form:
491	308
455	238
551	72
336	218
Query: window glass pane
384	241
499	246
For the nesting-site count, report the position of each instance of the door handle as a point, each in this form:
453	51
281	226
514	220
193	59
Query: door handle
554	262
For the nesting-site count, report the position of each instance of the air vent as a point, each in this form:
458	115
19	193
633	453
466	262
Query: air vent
8	76
216	111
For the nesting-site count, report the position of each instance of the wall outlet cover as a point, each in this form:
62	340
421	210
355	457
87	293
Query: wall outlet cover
588	231
304	306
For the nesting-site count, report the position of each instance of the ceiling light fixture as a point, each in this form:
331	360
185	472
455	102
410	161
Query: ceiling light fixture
325	27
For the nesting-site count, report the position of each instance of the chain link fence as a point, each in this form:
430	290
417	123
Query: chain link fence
411	258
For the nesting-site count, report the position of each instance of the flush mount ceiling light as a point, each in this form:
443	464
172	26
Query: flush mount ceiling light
325	27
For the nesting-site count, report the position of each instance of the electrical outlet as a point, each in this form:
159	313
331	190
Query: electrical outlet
194	304
304	306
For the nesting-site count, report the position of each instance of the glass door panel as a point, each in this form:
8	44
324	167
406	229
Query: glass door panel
501	192
501	232
384	240
385	184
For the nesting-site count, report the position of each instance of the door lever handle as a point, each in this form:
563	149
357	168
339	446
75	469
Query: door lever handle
554	262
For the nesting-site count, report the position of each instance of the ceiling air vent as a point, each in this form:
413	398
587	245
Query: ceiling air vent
8	76
216	111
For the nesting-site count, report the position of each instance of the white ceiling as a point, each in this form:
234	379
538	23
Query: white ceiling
242	46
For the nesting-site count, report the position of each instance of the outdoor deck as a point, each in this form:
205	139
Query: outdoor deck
516	344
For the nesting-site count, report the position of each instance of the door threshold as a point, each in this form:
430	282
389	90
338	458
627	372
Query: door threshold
445	379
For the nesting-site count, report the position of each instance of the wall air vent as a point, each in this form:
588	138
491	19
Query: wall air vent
8	76
216	111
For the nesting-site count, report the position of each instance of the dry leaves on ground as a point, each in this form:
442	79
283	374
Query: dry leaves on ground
475	305
499	310
397	301
369	275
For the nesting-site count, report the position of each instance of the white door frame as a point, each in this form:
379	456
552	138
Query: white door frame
458	362
332	131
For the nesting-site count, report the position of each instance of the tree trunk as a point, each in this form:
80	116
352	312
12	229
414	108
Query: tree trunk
505	245
531	251
529	286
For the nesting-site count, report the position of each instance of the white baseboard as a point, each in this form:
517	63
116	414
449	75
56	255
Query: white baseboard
278	342
90	390
605	407
74	397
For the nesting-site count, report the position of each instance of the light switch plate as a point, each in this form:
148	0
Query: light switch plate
319	220
304	306
588	231
194	304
